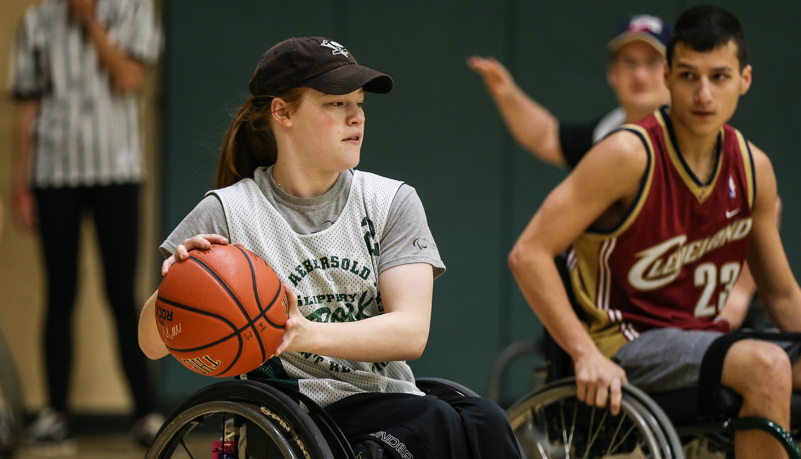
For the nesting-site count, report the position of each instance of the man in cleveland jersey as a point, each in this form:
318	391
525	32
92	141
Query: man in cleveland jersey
659	219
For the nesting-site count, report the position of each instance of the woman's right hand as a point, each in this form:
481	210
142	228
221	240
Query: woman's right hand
201	241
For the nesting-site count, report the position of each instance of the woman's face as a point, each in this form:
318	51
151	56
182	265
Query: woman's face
327	130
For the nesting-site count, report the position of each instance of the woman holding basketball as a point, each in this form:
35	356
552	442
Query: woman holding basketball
347	246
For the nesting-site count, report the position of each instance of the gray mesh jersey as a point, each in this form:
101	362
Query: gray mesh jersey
334	273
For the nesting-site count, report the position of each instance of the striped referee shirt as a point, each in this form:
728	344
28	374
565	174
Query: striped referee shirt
86	133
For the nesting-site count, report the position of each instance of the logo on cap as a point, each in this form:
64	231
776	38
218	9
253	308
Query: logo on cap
335	47
645	23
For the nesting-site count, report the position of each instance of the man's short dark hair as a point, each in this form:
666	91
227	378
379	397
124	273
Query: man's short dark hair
704	28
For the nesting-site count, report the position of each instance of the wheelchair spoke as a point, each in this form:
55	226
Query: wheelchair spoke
532	433
183	444
567	438
594	431
590	436
554	424
614	446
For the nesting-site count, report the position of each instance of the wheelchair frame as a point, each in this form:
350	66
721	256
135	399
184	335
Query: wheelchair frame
296	426
645	413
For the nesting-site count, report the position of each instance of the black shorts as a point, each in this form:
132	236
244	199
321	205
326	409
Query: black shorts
412	426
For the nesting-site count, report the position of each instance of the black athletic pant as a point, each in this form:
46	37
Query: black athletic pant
115	210
402	426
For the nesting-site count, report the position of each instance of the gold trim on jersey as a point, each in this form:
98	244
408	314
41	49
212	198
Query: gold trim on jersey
701	192
745	151
590	275
645	189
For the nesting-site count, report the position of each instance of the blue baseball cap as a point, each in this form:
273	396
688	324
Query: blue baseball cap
643	27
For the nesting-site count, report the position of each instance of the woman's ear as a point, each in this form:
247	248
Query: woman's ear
280	111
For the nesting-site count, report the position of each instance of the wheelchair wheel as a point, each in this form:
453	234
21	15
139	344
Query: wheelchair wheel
553	423
11	410
278	425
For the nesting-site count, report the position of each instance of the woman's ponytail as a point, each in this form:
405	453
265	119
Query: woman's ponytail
250	140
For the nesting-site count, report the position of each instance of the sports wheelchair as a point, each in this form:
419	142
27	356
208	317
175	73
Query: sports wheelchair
264	420
551	422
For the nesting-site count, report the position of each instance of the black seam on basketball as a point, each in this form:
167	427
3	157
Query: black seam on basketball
256	296
277	294
200	311
263	311
252	278
255	285
236	332
251	322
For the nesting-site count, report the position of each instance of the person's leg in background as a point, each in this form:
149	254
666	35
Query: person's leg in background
59	211
116	214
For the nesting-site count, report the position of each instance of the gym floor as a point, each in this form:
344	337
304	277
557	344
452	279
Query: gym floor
93	437
87	446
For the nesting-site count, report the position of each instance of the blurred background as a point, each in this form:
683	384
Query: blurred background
438	131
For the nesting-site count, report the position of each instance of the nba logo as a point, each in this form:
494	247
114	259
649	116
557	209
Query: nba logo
731	187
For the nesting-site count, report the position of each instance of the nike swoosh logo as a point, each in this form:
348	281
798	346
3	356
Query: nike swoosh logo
732	213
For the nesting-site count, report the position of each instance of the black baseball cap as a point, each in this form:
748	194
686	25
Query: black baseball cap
317	63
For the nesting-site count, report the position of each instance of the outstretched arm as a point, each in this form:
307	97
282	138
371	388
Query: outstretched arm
531	124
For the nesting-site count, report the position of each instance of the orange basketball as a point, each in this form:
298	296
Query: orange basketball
222	311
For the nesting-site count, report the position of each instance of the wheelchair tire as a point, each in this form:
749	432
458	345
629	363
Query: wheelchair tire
12	419
552	422
290	429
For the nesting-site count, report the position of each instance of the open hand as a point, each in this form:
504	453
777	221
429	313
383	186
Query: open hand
496	77
201	241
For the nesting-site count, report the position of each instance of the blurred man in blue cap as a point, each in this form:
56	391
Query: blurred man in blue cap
635	73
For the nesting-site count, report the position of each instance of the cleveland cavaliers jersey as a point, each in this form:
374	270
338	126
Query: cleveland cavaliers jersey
674	258
334	273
